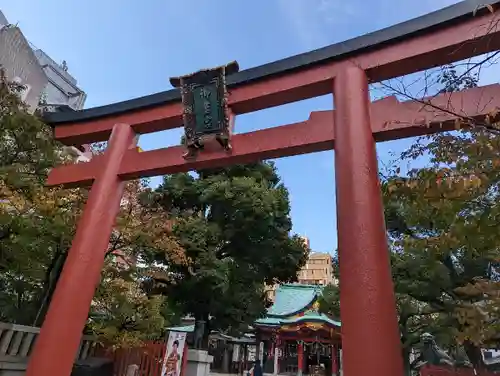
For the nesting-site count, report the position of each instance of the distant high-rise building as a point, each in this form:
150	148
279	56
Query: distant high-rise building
62	88
3	19
20	64
46	83
318	270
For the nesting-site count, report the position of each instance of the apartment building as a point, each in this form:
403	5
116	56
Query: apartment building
318	270
62	88
47	83
20	63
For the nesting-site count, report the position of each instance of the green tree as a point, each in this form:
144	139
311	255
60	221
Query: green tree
37	225
234	225
414	317
442	220
31	234
122	314
445	238
329	301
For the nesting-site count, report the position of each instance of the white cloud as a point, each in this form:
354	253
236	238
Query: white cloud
317	23
314	21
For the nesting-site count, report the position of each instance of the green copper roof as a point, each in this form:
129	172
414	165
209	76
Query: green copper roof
312	316
291	299
185	328
308	316
268	321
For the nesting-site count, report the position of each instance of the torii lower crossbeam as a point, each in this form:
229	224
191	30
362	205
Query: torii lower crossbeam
390	120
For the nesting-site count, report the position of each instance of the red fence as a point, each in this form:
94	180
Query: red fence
450	371
148	359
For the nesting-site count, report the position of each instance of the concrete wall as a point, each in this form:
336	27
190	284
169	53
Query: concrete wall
16	344
12	367
3	19
20	64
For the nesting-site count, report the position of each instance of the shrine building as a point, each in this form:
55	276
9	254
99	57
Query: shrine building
294	338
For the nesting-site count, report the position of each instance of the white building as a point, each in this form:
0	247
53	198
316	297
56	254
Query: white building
47	83
62	88
20	63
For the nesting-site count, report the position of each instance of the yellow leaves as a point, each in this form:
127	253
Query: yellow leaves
391	188
482	287
124	315
473	181
479	310
142	228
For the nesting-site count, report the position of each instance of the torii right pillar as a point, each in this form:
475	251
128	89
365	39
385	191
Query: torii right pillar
367	299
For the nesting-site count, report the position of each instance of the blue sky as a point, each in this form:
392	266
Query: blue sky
121	49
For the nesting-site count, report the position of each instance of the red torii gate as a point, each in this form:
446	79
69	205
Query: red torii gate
368	315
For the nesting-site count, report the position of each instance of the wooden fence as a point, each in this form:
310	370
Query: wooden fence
450	371
17	342
146	359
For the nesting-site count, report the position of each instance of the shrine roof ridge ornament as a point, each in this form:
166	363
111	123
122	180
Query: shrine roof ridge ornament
422	25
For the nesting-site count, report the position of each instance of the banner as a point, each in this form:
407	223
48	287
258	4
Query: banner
252	350
261	353
172	362
236	352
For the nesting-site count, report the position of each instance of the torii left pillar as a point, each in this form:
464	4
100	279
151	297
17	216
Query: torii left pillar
59	339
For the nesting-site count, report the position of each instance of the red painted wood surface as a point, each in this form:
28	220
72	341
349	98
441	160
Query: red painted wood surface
367	300
62	328
472	37
390	119
300	358
450	371
149	359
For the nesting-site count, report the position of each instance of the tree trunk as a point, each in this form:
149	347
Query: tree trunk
51	279
406	361
206	334
403	327
475	356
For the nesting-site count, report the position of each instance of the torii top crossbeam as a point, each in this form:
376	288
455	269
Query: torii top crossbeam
451	34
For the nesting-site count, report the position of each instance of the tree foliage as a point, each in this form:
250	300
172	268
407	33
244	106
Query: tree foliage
441	221
329	301
37	225
122	314
234	225
34	220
